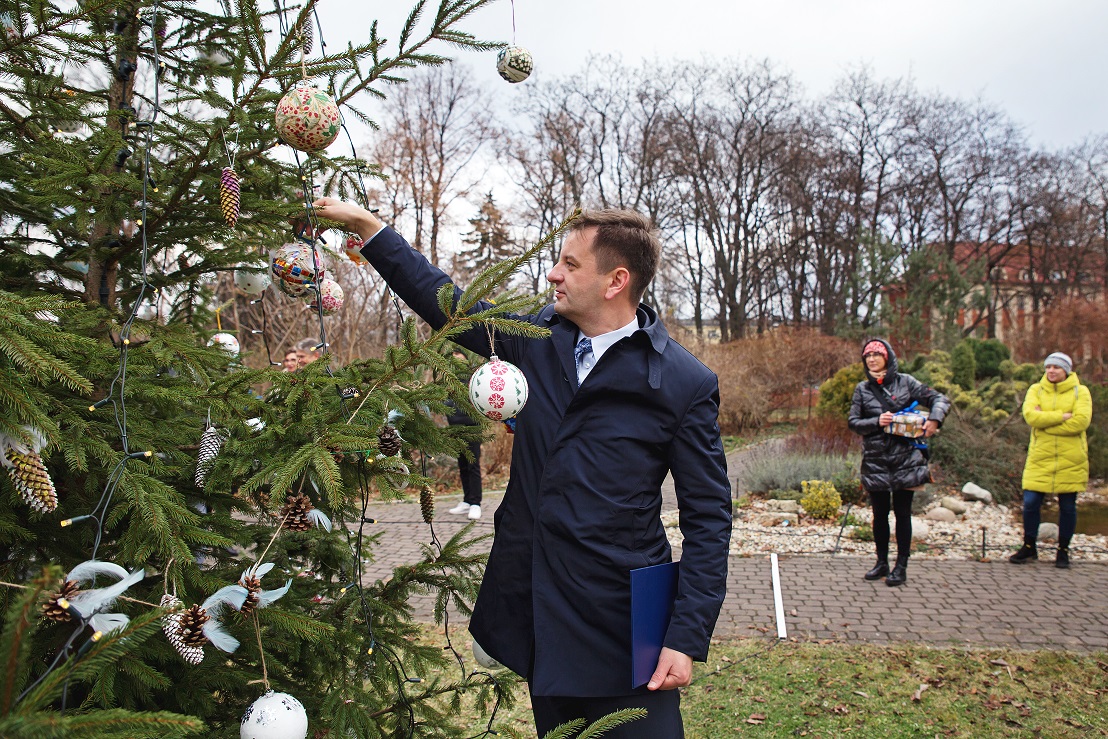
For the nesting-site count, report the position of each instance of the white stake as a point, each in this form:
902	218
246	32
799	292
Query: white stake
778	606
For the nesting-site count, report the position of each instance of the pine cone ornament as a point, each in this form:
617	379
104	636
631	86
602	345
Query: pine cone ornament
306	33
427	503
229	195
388	441
28	474
54	612
294	514
210	444
253	587
183	629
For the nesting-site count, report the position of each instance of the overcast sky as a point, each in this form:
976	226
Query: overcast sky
1045	62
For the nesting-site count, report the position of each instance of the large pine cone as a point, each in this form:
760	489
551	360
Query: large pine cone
31	480
294	514
210	444
229	195
171	625
192	623
253	586
51	610
388	441
427	503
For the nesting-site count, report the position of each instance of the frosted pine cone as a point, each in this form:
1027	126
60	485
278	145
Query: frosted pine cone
427	503
210	444
184	641
294	514
306	33
388	441
52	610
229	195
28	473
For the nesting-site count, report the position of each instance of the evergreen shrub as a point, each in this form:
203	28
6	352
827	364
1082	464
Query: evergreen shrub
821	499
835	394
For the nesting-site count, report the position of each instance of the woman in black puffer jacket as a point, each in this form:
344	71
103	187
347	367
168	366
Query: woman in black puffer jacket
893	468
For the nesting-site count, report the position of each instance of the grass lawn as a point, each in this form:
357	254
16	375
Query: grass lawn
758	689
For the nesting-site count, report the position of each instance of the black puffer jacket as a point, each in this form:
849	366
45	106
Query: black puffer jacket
891	462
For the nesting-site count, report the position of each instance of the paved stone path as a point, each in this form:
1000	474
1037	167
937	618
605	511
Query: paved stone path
944	603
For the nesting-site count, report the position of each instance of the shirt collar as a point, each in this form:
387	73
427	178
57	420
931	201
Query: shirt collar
603	342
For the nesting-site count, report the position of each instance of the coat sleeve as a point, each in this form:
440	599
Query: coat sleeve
1081	418
417	282
930	398
699	469
1039	419
858	423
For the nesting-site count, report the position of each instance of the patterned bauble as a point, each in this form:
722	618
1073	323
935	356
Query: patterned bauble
293	269
28	472
427	503
227	342
52	610
274	716
294	514
388	440
252	282
171	626
229	195
498	389
353	249
330	296
514	63
307	118
210	444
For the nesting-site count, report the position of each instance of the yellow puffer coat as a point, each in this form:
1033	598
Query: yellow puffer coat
1058	455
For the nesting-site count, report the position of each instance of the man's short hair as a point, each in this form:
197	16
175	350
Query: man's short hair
308	345
623	238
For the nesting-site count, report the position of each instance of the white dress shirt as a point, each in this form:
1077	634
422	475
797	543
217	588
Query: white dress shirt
601	344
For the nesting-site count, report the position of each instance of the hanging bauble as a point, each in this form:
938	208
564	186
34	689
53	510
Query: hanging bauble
330	296
274	716
210	444
514	63
307	118
68	126
353	249
293	268
227	342
28	472
498	389
483	658
251	282
229	194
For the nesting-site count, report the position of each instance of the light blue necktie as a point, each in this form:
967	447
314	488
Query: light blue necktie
584	346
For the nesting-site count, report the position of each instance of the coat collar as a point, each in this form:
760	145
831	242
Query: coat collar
564	332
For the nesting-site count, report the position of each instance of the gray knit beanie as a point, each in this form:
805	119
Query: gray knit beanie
1058	359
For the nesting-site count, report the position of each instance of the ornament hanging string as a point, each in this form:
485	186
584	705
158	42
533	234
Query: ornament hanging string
230	151
513	22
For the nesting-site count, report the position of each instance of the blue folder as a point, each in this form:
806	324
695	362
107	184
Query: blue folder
653	591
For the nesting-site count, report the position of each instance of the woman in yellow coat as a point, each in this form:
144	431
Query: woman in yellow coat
1058	409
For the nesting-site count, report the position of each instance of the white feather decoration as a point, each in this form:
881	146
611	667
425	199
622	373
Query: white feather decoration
90	602
87	571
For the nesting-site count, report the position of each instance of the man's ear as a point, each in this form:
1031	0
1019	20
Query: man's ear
619	282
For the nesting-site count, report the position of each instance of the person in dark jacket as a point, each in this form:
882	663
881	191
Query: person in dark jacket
469	466
893	467
614	405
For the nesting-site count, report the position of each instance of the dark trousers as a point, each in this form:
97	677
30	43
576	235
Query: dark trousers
901	505
663	719
471	474
1032	515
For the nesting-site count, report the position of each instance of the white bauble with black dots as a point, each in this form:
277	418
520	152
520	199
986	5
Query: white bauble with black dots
515	64
274	716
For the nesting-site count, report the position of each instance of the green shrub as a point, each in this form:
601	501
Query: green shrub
1098	432
835	394
849	485
862	532
963	365
821	499
771	468
988	354
1028	372
990	454
784	495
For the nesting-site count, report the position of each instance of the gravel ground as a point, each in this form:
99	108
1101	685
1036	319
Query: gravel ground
959	540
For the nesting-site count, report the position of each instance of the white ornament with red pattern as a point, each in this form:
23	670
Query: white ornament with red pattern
330	296
498	389
353	249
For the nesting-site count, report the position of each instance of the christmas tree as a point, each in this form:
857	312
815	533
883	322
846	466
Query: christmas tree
181	525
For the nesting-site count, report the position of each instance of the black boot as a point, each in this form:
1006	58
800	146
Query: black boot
879	571
1027	553
1062	561
899	575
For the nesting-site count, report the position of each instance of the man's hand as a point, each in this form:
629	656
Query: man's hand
354	217
674	671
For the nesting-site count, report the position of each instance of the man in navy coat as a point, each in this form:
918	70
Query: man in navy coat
615	404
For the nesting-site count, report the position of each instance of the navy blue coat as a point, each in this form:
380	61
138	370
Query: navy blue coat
582	504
